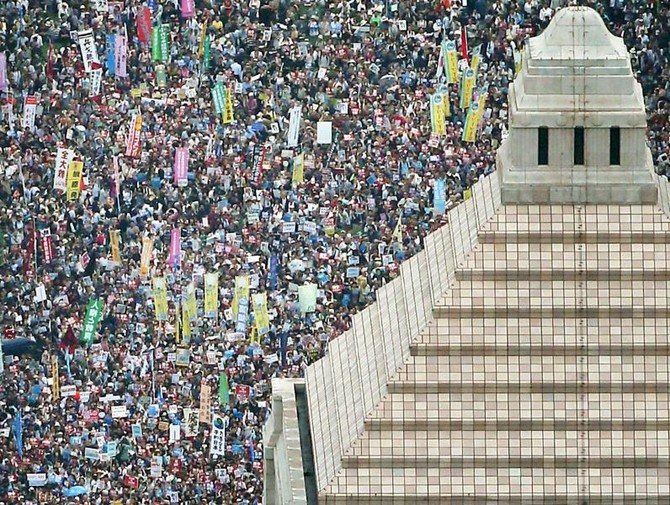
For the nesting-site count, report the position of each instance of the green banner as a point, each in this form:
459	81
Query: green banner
224	389
156	46
205	57
165	43
93	315
218	98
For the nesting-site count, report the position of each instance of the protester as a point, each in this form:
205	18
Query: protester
318	226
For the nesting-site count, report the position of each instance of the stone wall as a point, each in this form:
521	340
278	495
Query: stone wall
345	386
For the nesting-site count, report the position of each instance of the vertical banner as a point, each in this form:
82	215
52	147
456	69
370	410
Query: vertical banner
476	57
307	297
466	89
294	115
211	295
47	247
274	271
242	315
55	379
191	302
110	51
160	298
217	443
114	242
120	56
218	98
187	9
437	115
29	112
257	164
185	323
464	43
205	403
74	174
95	76
191	423
180	170
206	53
145	258
63	159
144	24
165	43
261	314
440	196
224	389
203	34
117	175
298	169
451	63
93	315
175	248
228	114
3	72
89	51
241	291
134	132
156	46
471	123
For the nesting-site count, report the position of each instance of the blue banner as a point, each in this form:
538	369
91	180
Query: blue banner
111	54
440	196
18	433
274	271
152	5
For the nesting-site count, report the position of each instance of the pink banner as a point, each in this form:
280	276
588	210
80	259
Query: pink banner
120	56
3	72
181	166
175	248
187	9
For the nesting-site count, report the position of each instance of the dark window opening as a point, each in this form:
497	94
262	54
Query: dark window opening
543	146
579	146
615	146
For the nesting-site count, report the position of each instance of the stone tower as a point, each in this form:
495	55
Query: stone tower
577	119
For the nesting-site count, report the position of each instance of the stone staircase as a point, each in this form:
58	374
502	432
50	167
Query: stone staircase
543	378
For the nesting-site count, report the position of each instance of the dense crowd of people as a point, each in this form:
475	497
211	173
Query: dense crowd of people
120	401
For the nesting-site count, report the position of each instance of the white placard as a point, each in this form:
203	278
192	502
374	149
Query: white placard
324	132
119	411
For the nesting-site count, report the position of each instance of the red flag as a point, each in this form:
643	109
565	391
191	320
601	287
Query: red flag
464	43
144	25
50	62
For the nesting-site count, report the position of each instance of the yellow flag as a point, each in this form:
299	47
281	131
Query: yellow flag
160	298
452	63
190	302
437	115
201	48
254	336
185	323
299	169
74	173
114	241
55	385
241	291
177	317
211	295
145	258
261	314
228	115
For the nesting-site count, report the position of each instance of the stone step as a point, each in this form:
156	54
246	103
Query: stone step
534	369
428	349
488	462
571	237
498	308
494	498
509	486
508	272
623	260
399	422
523	387
558	294
628	444
512	407
610	218
503	332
